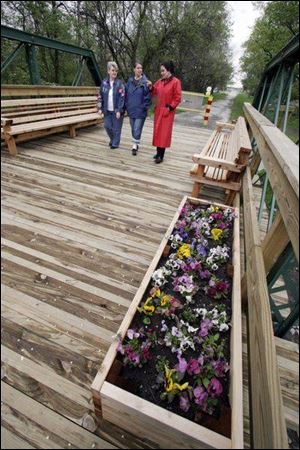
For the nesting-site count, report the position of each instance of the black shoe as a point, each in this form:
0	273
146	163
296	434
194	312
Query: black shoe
112	146
158	160
134	151
155	156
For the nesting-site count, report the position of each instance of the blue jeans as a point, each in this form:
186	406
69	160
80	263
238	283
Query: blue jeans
136	129
113	127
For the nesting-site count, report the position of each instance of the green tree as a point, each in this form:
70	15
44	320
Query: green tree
277	25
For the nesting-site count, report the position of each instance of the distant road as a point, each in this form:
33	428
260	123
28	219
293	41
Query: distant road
220	112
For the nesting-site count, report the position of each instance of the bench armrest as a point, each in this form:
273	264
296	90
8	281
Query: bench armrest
229	126
6	122
218	162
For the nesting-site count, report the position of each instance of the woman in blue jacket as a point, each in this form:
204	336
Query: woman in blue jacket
111	102
137	103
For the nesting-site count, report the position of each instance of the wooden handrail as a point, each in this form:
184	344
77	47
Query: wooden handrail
267	414
280	157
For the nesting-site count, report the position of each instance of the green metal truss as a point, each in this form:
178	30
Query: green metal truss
31	41
274	91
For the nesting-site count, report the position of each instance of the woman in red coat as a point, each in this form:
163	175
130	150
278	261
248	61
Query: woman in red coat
167	91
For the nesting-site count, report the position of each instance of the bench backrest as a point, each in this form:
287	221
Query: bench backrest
46	102
239	142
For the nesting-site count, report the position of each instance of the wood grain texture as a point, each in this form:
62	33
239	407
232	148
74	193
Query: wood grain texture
60	195
269	430
280	157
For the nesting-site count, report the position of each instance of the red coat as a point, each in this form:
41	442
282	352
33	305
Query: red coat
167	92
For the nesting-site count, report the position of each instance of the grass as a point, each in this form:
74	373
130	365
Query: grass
237	107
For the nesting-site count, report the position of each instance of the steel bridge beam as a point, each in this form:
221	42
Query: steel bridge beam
31	39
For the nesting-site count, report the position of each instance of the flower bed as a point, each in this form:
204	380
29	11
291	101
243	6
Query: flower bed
177	350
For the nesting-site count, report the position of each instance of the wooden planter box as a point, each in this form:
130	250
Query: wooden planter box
147	420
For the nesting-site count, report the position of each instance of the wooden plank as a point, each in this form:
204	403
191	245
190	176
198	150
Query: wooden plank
52	123
25	110
236	186
236	379
20	90
288	362
9	440
267	415
45	101
123	407
53	115
282	170
228	126
48	429
217	162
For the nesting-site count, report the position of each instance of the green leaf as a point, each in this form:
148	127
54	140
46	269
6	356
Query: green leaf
205	382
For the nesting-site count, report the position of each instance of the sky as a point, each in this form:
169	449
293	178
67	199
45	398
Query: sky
243	15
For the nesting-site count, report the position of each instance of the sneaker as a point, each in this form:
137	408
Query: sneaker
158	160
113	147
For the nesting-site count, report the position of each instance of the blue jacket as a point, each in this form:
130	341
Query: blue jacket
138	98
118	95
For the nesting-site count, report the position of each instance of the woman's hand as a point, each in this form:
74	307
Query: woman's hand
118	115
149	84
100	113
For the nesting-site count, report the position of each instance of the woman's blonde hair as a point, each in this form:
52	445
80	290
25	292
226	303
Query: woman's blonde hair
111	64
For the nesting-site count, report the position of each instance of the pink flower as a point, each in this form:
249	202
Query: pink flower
184	403
182	365
220	368
200	395
193	367
132	334
215	388
205	326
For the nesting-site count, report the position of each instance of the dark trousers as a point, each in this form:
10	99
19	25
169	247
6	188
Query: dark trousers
113	127
160	152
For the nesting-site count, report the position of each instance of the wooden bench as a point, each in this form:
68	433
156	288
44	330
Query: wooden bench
223	159
26	119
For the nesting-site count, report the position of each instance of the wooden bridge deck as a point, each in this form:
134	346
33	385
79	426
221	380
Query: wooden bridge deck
80	225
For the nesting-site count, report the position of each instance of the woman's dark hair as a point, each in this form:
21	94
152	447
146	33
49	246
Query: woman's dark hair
136	63
169	66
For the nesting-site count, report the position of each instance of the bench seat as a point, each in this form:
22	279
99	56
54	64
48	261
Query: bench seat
223	159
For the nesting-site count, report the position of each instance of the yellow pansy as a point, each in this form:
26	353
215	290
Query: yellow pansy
170	385
184	251
165	300
216	233
181	387
148	308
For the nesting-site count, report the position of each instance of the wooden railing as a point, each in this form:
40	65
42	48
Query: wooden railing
280	157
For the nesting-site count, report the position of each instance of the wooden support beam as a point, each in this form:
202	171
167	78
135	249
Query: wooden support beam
72	131
266	409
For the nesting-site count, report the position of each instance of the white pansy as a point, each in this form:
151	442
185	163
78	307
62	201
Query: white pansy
224	327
